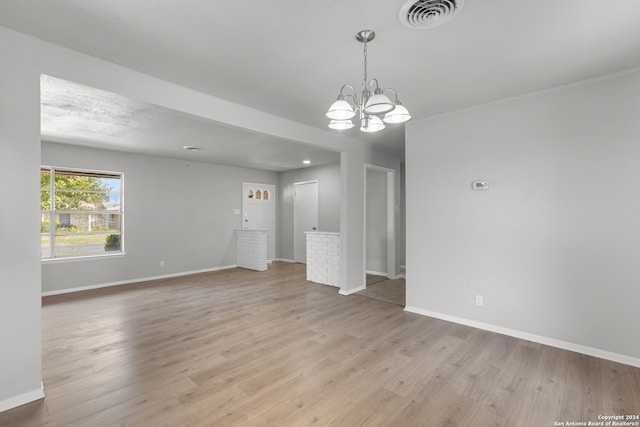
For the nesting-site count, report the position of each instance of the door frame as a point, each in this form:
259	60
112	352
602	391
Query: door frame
312	181
391	219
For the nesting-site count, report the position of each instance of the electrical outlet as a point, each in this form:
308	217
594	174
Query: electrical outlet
161	263
479	301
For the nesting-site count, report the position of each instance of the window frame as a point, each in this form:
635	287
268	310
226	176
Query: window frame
52	212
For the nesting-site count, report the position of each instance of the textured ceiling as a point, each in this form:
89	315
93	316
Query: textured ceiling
289	57
75	114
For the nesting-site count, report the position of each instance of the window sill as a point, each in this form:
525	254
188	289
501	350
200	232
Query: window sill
82	258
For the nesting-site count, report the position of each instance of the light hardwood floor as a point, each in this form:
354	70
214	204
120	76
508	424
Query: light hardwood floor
383	289
244	348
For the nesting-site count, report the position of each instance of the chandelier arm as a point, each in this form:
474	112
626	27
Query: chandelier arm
354	96
395	94
346	85
354	100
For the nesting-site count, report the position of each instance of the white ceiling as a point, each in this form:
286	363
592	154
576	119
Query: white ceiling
289	57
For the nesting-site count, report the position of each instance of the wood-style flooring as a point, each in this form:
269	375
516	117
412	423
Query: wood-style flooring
245	348
384	289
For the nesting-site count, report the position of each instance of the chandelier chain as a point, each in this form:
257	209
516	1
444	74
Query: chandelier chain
364	82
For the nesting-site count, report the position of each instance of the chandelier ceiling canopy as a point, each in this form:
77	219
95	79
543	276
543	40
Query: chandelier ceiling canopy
374	108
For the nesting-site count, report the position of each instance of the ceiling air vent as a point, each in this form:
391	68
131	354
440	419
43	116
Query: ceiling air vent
425	14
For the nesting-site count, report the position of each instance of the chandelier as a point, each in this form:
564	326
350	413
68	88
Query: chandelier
374	108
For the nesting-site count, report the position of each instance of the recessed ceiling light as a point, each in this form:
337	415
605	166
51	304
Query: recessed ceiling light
306	162
192	148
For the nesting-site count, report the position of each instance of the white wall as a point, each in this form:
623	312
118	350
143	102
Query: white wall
176	211
553	245
328	177
20	366
376	214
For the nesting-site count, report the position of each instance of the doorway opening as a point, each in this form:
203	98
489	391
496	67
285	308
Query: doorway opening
379	221
381	277
305	216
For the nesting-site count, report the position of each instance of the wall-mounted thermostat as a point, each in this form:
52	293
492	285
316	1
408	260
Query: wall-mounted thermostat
480	185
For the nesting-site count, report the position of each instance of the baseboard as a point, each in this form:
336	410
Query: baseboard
380	273
128	282
403	272
565	345
22	399
351	291
377	273
284	260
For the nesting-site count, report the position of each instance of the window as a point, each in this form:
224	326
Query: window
258	194
81	213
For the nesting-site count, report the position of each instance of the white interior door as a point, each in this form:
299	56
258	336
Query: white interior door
259	212
305	217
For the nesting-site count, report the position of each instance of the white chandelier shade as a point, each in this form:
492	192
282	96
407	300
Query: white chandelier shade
379	103
398	115
373	106
340	110
341	124
371	124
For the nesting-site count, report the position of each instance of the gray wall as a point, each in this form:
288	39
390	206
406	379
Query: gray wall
328	177
402	229
553	245
376	212
20	337
175	211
